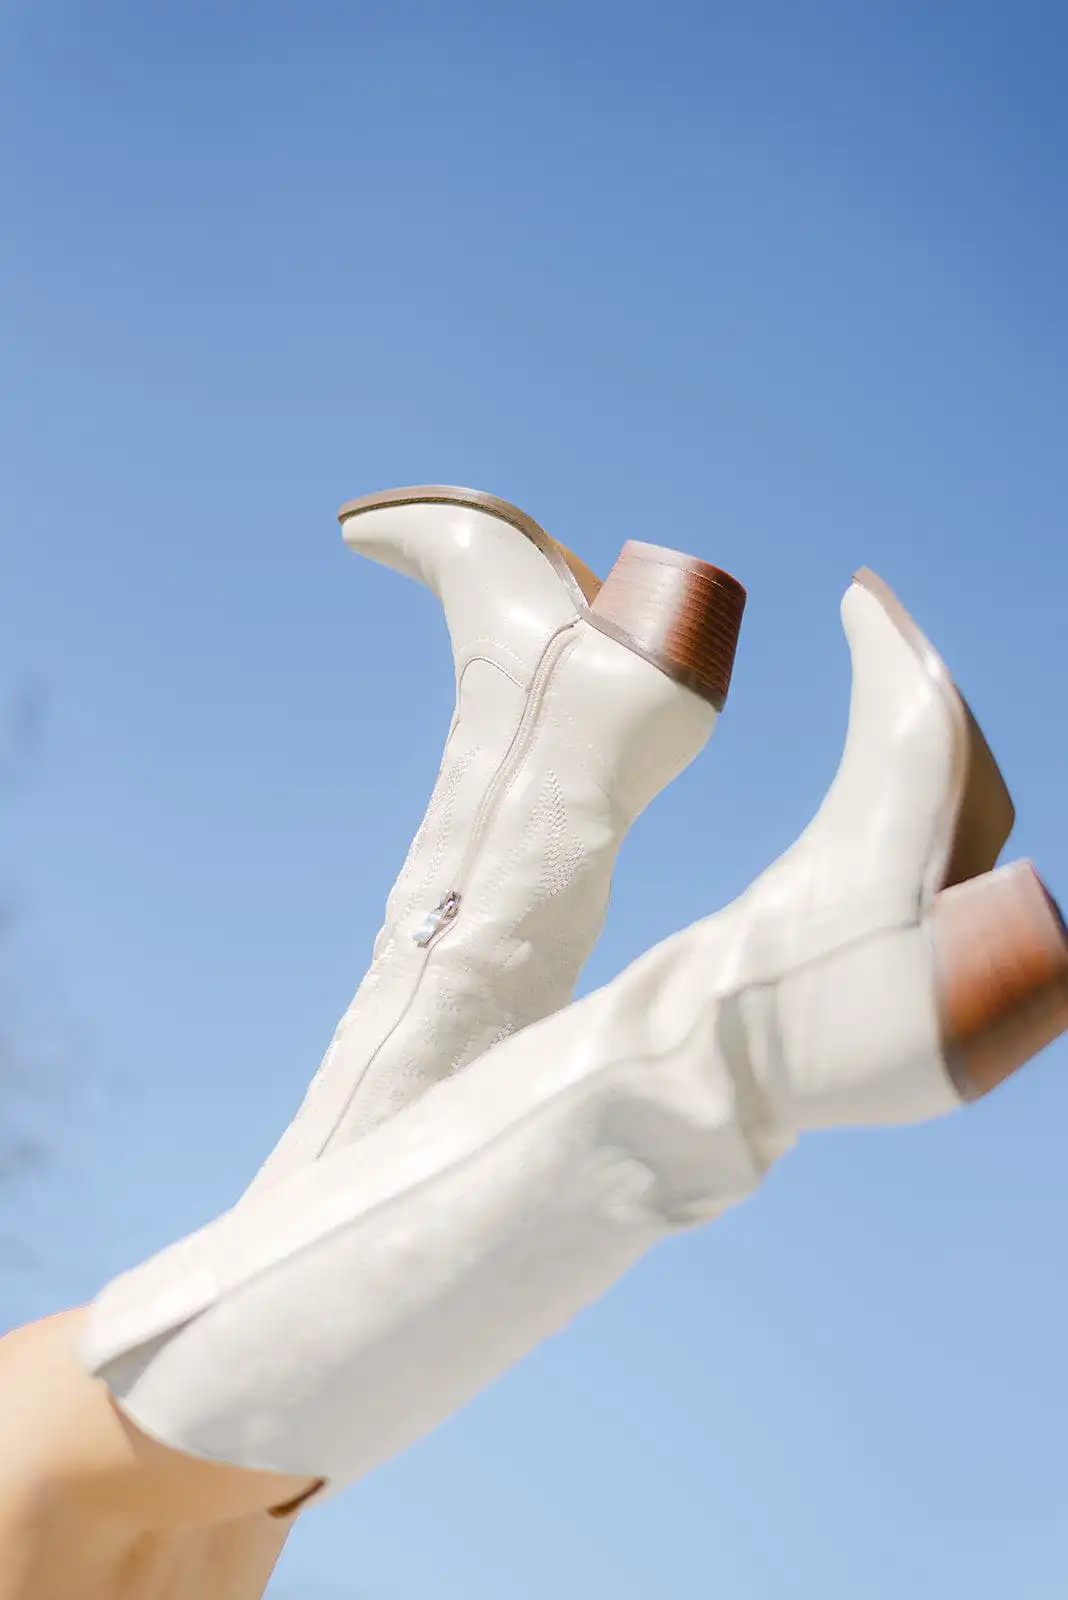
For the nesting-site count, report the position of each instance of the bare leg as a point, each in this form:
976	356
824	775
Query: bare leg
90	1506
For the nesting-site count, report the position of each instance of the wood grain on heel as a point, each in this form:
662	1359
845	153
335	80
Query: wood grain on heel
1001	952
681	614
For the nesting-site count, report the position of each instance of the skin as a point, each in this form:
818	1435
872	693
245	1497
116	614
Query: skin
91	1506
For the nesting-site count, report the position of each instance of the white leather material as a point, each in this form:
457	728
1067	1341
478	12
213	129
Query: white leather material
501	596
340	1314
368	1295
828	947
561	737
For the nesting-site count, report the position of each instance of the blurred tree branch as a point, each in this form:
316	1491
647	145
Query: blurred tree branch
21	1147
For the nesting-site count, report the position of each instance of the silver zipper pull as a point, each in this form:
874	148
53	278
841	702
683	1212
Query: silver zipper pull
432	924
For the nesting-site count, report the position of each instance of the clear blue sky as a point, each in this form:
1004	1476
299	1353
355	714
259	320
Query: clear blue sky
782	284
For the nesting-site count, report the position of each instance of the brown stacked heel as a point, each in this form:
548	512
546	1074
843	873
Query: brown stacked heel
1001	952
681	614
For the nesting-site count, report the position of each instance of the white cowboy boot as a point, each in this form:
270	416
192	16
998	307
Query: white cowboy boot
576	703
880	972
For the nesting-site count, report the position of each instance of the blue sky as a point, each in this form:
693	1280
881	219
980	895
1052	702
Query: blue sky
779	283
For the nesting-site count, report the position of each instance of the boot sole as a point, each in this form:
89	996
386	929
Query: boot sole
680	614
1000	940
581	583
981	815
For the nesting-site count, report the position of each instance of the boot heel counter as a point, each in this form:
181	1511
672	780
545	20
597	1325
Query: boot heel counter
681	614
1001	952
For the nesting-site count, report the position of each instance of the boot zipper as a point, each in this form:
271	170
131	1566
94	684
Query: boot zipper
435	920
444	914
448	908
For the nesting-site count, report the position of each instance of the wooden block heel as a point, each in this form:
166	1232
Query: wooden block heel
681	614
1001	954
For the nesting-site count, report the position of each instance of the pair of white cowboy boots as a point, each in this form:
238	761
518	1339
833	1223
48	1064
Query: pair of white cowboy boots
477	1159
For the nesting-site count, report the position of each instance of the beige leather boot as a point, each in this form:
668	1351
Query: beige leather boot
881	972
576	703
